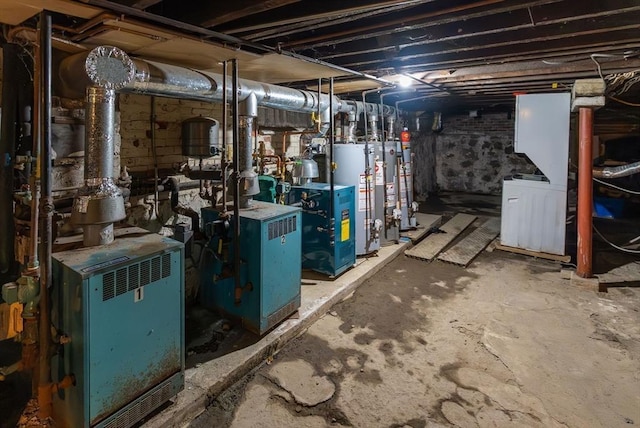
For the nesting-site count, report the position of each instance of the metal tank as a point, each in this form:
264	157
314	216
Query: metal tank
354	168
405	182
200	137
385	186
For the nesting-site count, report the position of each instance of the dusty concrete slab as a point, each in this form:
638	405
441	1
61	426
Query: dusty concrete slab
319	294
505	343
298	378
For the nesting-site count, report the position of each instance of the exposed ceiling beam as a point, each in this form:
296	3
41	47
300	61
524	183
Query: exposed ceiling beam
143	4
560	21
401	23
318	17
510	43
246	8
343	18
529	70
573	53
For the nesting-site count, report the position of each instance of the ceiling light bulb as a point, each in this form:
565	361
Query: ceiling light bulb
405	81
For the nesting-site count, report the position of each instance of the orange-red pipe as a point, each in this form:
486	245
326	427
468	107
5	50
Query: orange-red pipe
585	194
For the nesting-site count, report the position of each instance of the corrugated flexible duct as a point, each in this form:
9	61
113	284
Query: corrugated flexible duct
617	171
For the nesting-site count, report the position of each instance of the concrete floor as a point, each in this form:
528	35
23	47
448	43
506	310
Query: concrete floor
505	342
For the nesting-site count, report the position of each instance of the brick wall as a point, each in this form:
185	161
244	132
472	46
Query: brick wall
135	131
473	154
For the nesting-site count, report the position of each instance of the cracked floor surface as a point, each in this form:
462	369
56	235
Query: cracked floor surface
505	342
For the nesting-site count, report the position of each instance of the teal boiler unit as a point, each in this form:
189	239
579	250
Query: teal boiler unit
270	270
328	238
122	307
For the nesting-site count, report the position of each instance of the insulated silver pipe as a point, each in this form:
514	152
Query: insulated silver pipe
155	78
617	171
353	125
373	123
100	111
99	203
249	179
391	121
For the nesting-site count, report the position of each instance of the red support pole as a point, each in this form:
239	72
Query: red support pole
585	194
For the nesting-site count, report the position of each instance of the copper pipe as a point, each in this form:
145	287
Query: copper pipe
278	163
585	194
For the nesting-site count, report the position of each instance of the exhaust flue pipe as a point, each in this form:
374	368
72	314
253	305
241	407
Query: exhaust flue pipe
249	185
99	203
616	171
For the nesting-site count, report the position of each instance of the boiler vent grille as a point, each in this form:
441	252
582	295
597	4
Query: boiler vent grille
278	228
141	408
129	278
282	313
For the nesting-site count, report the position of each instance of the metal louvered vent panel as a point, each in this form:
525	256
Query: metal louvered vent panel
155	269
278	228
145	272
166	265
141	408
121	281
125	279
134	276
281	314
108	285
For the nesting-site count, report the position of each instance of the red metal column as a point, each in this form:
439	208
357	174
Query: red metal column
585	194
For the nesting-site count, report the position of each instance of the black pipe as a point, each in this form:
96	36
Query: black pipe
384	173
332	219
174	185
236	180
46	216
7	152
223	151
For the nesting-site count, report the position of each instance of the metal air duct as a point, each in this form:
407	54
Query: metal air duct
249	185
99	203
616	171
353	125
155	78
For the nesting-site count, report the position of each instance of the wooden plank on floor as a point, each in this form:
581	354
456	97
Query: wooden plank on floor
425	223
548	256
471	245
434	243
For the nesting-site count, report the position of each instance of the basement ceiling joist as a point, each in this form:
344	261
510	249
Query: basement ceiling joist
473	51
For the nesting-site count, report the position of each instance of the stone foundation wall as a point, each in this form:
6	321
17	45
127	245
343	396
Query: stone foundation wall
470	154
